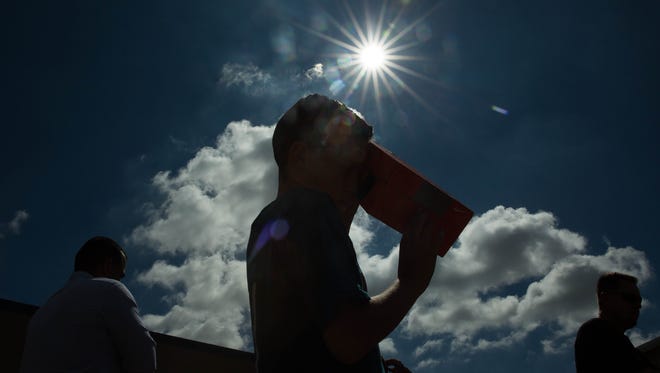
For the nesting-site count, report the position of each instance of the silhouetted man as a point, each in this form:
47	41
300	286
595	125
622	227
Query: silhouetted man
92	324
601	345
308	298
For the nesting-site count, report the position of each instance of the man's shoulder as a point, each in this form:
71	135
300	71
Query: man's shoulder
595	329
110	284
99	288
114	287
592	324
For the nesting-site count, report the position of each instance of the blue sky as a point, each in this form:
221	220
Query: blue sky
150	122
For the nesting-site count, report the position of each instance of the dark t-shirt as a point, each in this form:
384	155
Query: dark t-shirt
599	347
301	269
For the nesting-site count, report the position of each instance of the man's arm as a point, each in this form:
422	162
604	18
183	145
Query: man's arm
136	348
358	329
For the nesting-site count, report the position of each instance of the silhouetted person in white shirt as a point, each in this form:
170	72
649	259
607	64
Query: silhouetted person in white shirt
92	324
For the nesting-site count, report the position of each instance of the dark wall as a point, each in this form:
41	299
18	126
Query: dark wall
173	354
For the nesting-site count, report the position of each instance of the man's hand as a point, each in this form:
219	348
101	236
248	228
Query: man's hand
417	253
357	329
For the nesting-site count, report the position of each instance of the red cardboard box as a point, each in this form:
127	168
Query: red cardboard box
398	191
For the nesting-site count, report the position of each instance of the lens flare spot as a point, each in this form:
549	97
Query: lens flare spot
500	110
274	230
279	229
337	86
344	61
283	43
423	32
319	22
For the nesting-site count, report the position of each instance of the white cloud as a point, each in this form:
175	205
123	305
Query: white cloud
504	249
18	220
211	299
315	72
427	363
15	225
512	272
387	347
251	79
255	81
208	208
638	338
430	345
211	202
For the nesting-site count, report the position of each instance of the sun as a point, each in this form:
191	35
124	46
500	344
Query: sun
373	57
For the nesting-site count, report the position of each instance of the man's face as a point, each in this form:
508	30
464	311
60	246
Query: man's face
622	306
337	167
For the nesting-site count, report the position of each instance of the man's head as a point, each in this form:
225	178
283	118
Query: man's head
101	257
619	300
320	143
317	121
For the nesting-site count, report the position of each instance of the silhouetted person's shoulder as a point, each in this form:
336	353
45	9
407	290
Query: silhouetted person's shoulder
600	347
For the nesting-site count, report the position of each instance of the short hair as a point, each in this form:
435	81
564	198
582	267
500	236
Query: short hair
95	251
307	120
609	282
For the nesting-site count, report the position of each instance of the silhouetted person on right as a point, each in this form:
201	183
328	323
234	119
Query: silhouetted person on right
601	345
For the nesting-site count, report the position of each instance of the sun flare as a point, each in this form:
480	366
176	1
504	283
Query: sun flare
373	57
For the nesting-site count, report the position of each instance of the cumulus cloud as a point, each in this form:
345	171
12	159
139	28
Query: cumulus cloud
427	363
428	346
210	295
512	272
505	249
211	202
206	215
387	347
639	338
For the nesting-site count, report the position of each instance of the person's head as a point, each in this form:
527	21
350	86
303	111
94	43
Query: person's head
321	143
101	257
619	300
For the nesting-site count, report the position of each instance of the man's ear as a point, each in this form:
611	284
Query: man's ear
603	300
